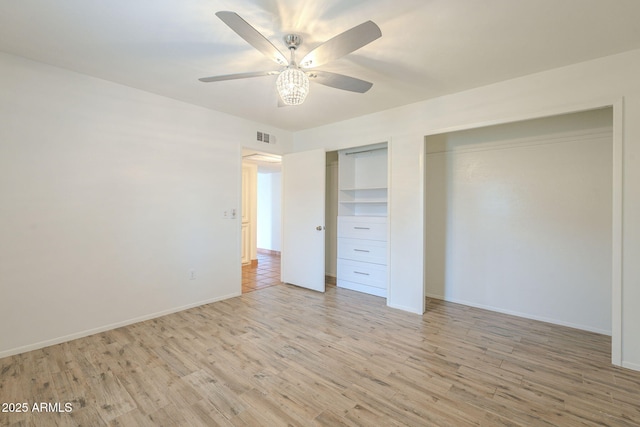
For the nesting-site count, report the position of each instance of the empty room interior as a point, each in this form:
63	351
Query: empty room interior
267	213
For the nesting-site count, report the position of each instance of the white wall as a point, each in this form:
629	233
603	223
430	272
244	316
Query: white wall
276	211
518	218
264	210
110	196
98	179
269	210
601	82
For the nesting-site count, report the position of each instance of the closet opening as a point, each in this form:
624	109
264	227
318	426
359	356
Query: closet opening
522	218
261	219
356	236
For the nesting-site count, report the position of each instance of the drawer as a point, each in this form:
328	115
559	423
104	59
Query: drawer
362	250
374	275
370	228
362	288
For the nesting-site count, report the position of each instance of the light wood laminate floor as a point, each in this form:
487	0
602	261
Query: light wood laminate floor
288	356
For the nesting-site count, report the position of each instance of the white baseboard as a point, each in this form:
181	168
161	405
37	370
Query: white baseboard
405	308
629	365
524	315
87	332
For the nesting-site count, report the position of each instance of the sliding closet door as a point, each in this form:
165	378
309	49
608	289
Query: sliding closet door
303	198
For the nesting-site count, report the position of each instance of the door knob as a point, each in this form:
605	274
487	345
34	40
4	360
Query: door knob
319	228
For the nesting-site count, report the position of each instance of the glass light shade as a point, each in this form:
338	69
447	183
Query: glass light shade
293	86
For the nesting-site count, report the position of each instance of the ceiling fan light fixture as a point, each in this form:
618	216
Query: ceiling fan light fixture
293	83
293	86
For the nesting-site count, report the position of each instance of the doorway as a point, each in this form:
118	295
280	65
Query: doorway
261	220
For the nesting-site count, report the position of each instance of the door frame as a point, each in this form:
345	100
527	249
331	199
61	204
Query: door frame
252	215
617	105
240	204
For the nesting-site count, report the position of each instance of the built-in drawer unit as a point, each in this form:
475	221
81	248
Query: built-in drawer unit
374	251
363	195
362	254
370	227
363	272
360	287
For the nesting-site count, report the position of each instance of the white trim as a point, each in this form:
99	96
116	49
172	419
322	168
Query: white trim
109	327
238	221
520	314
423	191
405	308
534	141
617	103
389	198
629	365
616	233
605	102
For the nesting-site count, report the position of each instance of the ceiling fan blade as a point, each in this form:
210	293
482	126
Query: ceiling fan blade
252	36
339	81
238	76
342	44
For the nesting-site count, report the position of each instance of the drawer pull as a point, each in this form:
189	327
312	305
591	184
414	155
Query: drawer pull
359	272
361	250
362	228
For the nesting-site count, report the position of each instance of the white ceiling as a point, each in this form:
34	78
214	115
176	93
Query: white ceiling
428	47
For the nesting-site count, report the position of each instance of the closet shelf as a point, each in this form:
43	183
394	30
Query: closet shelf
361	201
363	189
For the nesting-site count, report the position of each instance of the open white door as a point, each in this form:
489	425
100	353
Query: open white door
303	197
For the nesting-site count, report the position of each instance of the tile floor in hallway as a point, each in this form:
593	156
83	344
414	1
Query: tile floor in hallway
263	275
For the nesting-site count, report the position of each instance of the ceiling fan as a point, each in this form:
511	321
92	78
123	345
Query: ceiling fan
293	80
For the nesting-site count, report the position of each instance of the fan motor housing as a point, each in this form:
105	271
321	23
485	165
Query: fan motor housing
292	41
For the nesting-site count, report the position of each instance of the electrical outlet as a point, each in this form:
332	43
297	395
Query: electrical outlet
192	275
233	214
